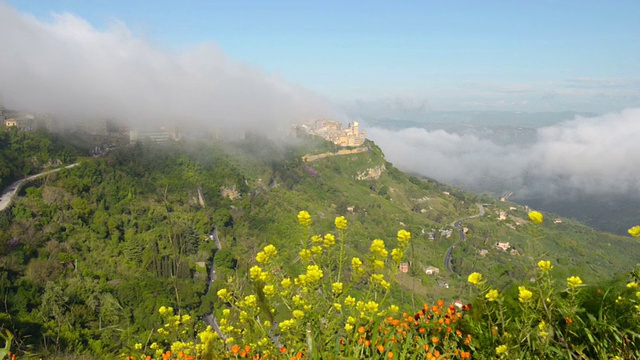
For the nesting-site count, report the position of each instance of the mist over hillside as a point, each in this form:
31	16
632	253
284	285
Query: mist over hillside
66	67
573	165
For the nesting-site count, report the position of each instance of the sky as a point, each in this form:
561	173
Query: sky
445	55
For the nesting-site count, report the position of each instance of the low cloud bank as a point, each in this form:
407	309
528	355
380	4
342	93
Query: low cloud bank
69	68
597	155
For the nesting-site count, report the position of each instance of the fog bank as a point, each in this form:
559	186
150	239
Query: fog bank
596	155
67	67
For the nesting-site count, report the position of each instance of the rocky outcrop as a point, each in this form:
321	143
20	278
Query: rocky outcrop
371	173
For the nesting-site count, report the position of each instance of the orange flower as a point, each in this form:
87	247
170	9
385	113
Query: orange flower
425	347
367	343
283	350
390	355
568	320
435	340
380	348
361	329
465	355
422	330
235	349
458	332
167	355
440	303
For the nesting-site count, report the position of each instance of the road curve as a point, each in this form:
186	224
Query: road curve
458	225
9	193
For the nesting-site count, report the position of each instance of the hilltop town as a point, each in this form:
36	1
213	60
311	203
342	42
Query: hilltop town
333	131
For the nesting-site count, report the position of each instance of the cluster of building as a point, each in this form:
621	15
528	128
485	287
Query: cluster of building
333	131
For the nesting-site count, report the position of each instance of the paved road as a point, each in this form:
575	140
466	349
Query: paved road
458	225
210	319
9	193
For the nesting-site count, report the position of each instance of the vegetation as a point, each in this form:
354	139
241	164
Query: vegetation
89	255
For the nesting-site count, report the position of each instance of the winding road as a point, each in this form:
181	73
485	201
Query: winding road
9	193
458	225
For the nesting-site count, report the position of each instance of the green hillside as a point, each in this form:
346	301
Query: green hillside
89	254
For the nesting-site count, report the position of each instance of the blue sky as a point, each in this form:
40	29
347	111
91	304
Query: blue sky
450	55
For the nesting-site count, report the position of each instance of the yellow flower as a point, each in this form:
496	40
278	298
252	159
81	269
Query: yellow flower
298	314
255	272
403	237
162	310
635	231
316	250
138	346
269	290
574	281
377	248
536	217
349	301
632	285
341	223
524	295
337	306
378	264
356	264
348	328
397	254
371	307
393	309
544	265
314	274
285	283
475	278
304	219
492	295
501	349
287	324
305	254
336	287
316	239
250	301
385	285
268	252
223	294
329	240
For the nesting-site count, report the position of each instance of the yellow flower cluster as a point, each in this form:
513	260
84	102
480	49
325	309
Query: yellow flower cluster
574	281
313	275
337	288
501	349
397	255
524	295
403	237
475	278
536	217
377	248
544	265
268	253
341	223
304	219
635	231
356	264
256	273
329	240
492	295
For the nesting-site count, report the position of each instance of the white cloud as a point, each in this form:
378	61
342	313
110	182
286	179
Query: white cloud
68	67
595	155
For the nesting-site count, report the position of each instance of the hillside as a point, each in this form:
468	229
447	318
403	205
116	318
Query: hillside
90	253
